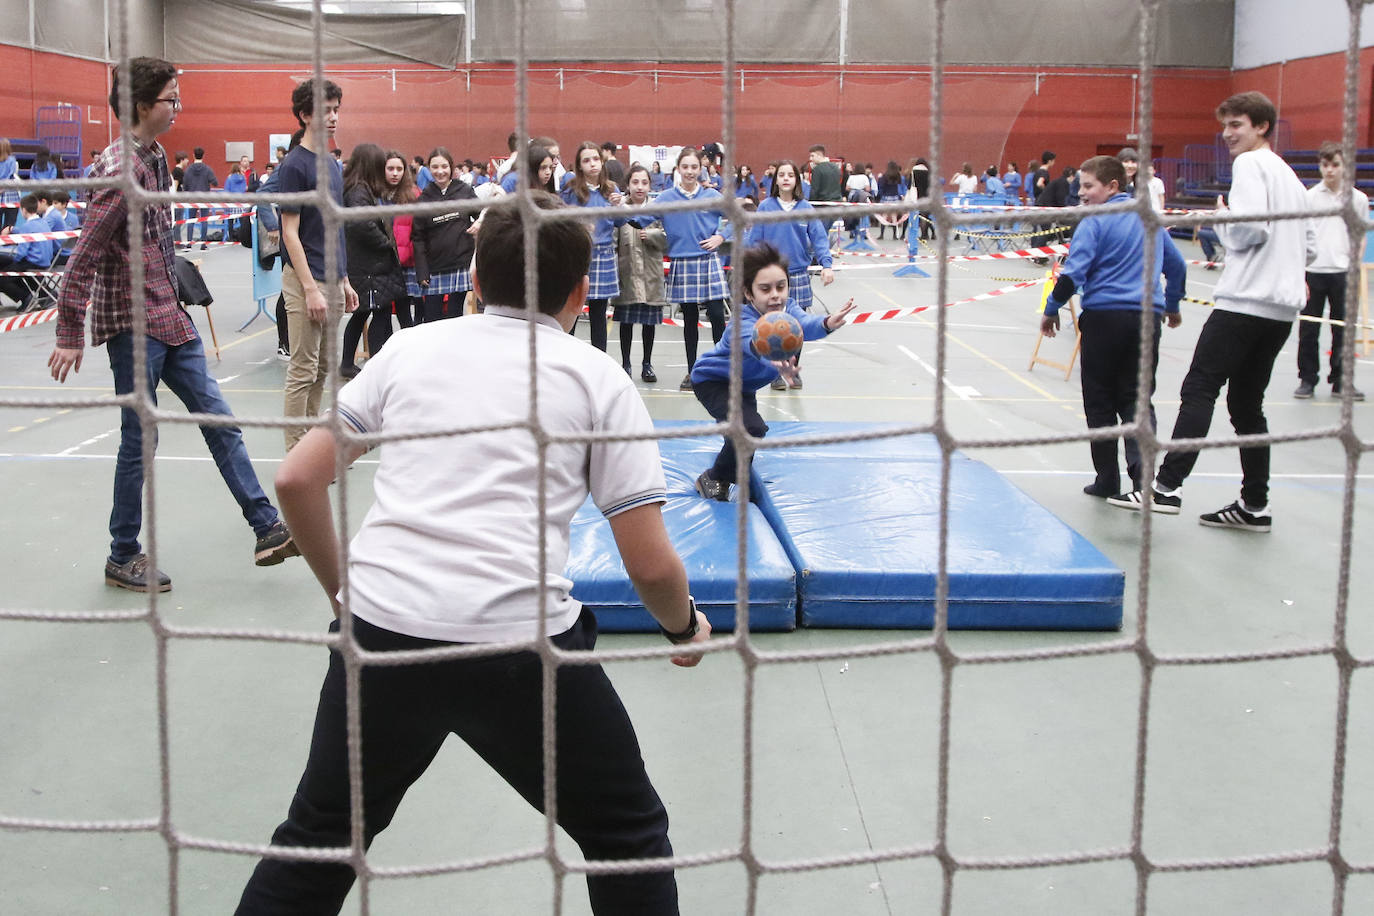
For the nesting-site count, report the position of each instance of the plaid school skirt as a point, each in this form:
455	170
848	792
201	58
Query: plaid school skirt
696	279
603	274
456	281
639	313
799	288
412	285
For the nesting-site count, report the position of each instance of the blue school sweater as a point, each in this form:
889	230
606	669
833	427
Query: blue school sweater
38	253
686	231
714	366
797	242
603	231
1104	263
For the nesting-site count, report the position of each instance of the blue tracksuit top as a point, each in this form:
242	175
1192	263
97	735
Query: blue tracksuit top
797	242
714	366
1104	263
686	231
603	231
55	221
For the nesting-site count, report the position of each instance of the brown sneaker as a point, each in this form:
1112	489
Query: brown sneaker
275	546
133	575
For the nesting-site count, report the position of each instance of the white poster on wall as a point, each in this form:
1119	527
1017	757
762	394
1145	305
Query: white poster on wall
665	156
275	142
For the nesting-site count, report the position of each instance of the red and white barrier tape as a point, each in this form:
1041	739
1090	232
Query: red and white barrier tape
234	213
889	314
15	322
865	317
14	238
1040	252
30	273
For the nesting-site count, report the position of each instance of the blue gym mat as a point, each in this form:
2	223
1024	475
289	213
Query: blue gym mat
860	523
847	532
705	534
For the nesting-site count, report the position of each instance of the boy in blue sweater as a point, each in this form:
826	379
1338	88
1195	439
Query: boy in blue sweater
765	290
26	255
1104	266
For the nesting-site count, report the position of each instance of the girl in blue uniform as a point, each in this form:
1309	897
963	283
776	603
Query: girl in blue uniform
9	171
800	243
589	187
764	279
695	277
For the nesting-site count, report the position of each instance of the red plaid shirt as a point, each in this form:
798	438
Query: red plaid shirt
98	271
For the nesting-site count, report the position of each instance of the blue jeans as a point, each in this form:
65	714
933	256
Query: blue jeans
182	369
1207	238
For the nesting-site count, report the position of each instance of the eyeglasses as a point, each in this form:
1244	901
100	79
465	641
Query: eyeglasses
175	103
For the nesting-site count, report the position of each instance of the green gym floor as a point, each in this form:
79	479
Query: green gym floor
844	751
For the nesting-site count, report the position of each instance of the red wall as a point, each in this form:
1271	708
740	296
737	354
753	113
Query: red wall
37	78
871	114
866	114
1310	97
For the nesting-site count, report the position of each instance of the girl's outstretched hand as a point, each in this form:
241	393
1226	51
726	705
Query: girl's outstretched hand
836	320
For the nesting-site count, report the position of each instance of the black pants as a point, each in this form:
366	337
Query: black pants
1111	360
13	286
1237	351
378	331
715	313
605	800
1321	289
283	337
715	397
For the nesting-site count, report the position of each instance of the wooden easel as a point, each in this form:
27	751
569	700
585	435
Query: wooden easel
1073	357
1364	335
1040	337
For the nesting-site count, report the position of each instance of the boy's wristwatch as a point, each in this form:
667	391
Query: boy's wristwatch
690	632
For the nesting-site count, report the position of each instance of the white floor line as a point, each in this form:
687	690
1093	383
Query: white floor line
1010	472
91	441
41	456
1213	475
965	392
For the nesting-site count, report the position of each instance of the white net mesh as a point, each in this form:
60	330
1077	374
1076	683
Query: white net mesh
1136	644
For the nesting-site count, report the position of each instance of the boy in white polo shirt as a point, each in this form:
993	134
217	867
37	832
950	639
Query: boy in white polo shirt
1326	275
450	553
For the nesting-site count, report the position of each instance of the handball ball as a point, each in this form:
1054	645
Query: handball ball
777	336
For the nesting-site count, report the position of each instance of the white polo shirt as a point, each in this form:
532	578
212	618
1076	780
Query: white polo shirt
1333	242
450	548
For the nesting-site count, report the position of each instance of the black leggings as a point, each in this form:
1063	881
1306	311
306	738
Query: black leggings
596	321
378	332
715	313
627	334
443	305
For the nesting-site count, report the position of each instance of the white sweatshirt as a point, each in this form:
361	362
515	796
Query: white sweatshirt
1333	240
1266	261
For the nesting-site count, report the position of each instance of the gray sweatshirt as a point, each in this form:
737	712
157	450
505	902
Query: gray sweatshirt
1266	261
